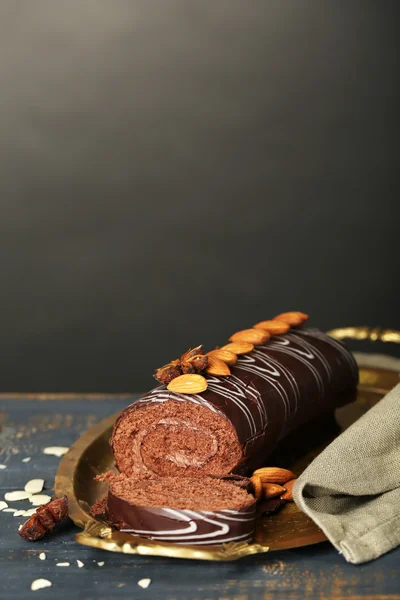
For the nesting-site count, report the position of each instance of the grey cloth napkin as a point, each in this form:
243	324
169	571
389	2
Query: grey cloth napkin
352	489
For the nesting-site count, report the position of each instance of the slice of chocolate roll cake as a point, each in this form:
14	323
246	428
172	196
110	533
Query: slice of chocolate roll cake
186	510
217	414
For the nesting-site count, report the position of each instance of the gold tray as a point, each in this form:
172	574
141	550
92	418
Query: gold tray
289	528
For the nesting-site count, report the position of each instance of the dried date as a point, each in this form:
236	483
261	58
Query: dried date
46	517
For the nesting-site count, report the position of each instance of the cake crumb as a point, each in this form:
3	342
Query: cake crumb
99	508
26	459
101	563
144	583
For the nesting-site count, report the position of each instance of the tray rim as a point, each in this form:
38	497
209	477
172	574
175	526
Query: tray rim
100	535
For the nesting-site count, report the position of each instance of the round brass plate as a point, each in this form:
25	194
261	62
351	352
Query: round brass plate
289	528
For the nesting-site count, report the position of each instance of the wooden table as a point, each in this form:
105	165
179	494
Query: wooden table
30	423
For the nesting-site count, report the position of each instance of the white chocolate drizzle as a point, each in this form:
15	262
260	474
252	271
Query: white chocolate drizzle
190	521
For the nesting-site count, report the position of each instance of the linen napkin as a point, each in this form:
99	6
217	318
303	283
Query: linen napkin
352	489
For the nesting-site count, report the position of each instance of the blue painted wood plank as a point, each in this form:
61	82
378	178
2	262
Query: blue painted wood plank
30	425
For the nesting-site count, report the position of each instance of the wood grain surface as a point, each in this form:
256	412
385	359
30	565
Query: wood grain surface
29	425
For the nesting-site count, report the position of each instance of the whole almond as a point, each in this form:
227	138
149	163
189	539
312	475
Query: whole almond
188	384
270	490
294	319
217	367
252	336
274	475
239	348
258	488
226	356
274	327
288	495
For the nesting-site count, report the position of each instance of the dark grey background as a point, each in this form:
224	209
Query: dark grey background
175	170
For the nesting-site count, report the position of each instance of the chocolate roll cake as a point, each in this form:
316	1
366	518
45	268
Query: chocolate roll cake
188	511
234	424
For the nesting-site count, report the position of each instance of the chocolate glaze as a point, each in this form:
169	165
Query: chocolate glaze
272	391
181	526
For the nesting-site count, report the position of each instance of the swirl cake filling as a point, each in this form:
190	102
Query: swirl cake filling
175	438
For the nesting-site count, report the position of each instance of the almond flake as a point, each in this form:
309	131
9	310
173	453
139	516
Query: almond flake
10	510
56	450
38	584
64	564
3	467
19	513
26	459
30	512
39	499
144	583
42	556
34	486
101	563
80	564
15	496
3	504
